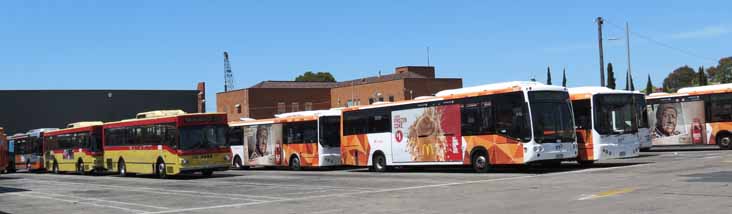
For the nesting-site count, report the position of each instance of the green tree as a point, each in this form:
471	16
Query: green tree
564	77
649	86
681	77
702	77
315	77
722	73
610	76
548	76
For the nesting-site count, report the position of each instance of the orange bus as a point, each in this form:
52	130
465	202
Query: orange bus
167	143
693	115
77	148
509	123
28	150
4	160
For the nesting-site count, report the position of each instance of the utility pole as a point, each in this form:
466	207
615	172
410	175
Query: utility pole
428	55
628	77
599	42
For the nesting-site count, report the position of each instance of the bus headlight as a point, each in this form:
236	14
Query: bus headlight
183	161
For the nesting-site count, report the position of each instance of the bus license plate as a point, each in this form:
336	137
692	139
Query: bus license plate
560	156
622	154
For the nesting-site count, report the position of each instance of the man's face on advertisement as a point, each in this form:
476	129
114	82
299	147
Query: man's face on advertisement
668	120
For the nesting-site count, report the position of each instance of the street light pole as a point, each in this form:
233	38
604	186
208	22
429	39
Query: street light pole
628	77
599	42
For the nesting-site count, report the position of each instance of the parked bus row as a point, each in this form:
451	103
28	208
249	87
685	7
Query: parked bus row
161	143
512	123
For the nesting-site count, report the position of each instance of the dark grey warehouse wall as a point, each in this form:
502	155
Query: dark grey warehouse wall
23	110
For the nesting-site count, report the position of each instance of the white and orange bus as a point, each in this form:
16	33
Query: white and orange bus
167	143
77	148
496	124
606	123
4	154
295	140
693	115
644	127
29	150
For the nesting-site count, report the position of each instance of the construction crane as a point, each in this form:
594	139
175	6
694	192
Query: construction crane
228	75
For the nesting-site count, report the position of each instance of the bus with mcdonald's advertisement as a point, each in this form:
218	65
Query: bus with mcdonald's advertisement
510	123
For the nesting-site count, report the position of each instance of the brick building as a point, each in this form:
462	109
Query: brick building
268	98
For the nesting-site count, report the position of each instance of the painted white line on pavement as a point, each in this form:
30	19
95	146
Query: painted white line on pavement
102	200
27	194
399	189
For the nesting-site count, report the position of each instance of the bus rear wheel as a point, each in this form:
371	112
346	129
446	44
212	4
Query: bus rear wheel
379	163
295	163
121	168
724	141
80	168
480	162
207	173
160	169
54	168
585	162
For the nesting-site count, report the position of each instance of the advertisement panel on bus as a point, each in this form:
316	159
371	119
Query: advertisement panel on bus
678	123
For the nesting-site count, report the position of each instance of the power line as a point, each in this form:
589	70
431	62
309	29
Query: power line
648	38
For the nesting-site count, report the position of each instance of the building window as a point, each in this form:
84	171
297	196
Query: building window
308	106
391	98
295	107
381	99
371	101
238	108
280	108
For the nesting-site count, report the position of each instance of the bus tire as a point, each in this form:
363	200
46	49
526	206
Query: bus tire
80	167
295	163
645	149
480	161
237	163
160	169
378	163
54	167
207	173
28	166
724	141
121	168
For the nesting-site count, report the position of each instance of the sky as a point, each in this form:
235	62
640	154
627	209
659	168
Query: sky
175	44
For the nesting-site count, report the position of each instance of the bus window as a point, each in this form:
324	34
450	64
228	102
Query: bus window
236	136
202	137
640	103
330	131
614	114
552	117
512	119
721	107
301	132
477	118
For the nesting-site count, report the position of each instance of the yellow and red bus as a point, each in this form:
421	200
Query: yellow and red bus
167	143
295	140
77	148
693	115
508	123
606	123
4	159
28	150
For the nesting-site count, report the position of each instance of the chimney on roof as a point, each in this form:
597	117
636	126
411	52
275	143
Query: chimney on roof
426	71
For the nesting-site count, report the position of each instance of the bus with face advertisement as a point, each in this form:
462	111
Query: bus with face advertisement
607	123
693	115
508	123
77	148
166	143
295	140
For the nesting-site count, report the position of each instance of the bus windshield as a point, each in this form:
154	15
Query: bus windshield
551	112
614	114
202	137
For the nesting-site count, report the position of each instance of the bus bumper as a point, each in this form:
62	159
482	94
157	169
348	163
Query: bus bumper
549	151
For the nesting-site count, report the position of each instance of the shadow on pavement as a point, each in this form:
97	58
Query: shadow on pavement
721	176
526	169
11	190
685	148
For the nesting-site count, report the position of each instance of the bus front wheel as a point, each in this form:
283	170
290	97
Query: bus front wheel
724	141
121	168
379	163
480	162
160	169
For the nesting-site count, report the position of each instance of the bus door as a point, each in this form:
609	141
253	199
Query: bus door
429	134
329	140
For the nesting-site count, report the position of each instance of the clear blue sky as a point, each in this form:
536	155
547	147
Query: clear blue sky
174	44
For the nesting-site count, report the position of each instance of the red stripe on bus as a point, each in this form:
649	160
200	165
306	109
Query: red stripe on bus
167	148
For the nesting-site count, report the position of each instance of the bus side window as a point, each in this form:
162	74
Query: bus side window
511	116
477	118
582	114
721	107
